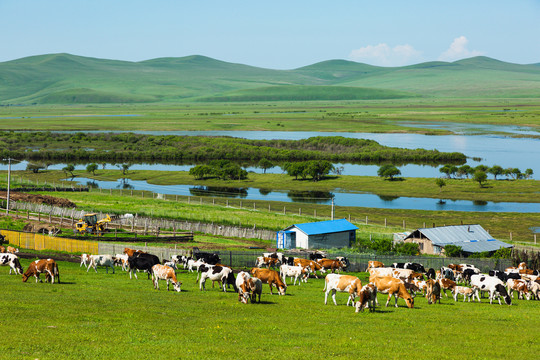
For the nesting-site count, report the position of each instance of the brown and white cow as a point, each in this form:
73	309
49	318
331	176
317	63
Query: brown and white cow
331	264
446	284
520	286
85	260
243	283
46	266
433	291
393	287
270	277
367	298
131	252
313	265
374	264
467	292
342	283
12	250
384	271
164	272
2	249
267	261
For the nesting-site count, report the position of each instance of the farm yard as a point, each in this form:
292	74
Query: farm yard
100	315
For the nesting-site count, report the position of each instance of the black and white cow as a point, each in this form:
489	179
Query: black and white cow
493	285
101	260
468	273
411	266
12	261
141	263
219	273
208	258
431	274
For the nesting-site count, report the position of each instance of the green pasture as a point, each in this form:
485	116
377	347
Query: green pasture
101	315
335	116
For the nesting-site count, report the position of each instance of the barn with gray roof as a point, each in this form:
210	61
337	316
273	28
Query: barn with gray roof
471	239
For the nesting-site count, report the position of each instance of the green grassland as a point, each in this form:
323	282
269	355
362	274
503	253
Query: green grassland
333	116
70	79
101	315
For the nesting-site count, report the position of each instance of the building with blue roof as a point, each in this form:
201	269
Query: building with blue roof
317	235
471	239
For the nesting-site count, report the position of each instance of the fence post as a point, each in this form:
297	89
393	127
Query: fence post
188	199
384	222
366	220
240	204
534	239
510	236
315	213
299	211
403	223
284	210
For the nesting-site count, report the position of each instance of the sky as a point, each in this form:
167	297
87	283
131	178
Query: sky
274	34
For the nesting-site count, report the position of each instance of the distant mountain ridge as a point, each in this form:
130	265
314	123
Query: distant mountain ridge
65	78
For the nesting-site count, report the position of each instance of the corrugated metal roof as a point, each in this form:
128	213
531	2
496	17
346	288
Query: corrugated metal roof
324	227
471	238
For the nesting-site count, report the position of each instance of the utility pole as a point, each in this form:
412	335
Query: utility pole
8	185
332	212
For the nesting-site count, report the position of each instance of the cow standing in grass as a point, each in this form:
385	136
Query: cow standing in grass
164	272
46	266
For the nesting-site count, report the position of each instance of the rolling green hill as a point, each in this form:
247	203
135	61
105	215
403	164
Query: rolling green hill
69	79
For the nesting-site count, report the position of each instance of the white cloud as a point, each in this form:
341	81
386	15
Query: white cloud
458	50
384	55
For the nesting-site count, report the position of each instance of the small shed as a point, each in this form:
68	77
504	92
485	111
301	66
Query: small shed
317	235
471	239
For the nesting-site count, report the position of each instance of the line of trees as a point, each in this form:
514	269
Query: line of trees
496	170
221	169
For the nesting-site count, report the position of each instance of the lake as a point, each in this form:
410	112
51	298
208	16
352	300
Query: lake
317	197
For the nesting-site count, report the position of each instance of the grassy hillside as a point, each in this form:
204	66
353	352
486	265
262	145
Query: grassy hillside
68	79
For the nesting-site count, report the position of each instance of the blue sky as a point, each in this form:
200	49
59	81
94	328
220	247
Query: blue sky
274	34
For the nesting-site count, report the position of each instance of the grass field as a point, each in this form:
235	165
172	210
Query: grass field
100	316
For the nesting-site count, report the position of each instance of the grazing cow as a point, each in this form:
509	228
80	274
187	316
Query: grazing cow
446	284
101	260
403	274
421	285
256	289
520	286
12	261
211	259
374	264
293	272
499	274
331	264
270	277
467	292
534	288
243	284
342	283
433	292
47	266
164	272
266	261
12	250
493	285
222	274
367	298
85	260
313	265
393	287
140	263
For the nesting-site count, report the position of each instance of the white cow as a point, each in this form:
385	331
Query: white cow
194	264
85	260
101	260
493	285
293	272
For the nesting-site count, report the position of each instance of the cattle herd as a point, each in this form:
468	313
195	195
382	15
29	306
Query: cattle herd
400	280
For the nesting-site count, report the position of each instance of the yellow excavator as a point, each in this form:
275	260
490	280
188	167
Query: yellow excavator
90	224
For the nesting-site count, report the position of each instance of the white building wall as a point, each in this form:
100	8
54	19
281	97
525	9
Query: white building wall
301	239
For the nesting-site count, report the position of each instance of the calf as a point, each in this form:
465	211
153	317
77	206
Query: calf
164	272
465	291
222	274
342	283
493	285
256	289
293	271
393	287
101	260
12	261
270	277
47	266
12	250
367	298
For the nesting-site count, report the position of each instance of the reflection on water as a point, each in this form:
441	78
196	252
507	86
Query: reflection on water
388	197
217	191
314	197
264	191
480	202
